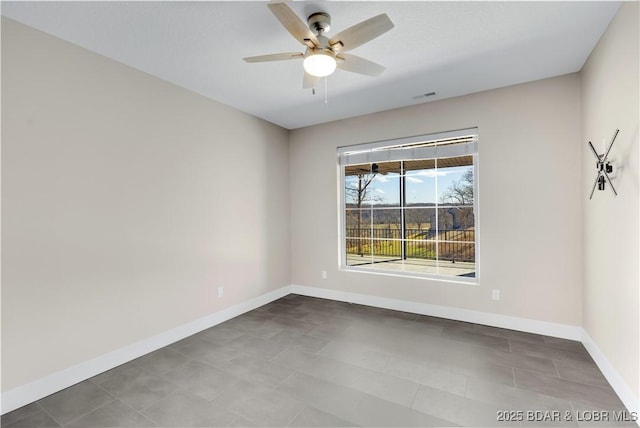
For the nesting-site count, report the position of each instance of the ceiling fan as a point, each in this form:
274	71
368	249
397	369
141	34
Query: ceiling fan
323	55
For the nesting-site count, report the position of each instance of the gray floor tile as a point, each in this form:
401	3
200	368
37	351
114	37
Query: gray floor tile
161	361
567	390
38	418
256	370
352	405
460	410
553	353
269	409
121	369
233	394
376	383
356	353
21	413
293	325
375	412
197	348
300	341
525	362
472	337
414	325
251	346
518	336
583	372
201	379
477	367
306	361
138	389
221	334
381	385
312	417
75	401
241	422
182	409
433	375
533	406
321	394
114	414
565	344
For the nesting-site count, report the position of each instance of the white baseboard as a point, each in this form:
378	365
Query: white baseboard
563	331
627	396
58	381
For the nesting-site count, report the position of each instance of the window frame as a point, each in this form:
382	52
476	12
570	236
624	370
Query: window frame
361	149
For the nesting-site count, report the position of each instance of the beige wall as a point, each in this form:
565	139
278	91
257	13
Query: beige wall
530	192
610	100
126	202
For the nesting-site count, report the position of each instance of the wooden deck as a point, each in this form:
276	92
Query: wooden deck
427	266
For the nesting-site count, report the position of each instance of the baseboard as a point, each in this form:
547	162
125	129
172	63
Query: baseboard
25	394
626	395
563	331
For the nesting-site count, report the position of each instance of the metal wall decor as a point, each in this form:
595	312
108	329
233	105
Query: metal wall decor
603	168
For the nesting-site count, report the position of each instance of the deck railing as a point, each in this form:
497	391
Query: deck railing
454	244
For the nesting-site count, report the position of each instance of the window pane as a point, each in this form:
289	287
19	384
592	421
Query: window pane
387	223
420	187
454	219
386	249
455	185
358	223
357	182
421	249
358	251
420	223
385	189
457	258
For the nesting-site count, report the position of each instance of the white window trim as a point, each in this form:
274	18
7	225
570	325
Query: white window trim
366	153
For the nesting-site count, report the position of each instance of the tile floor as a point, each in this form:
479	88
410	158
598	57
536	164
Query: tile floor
308	362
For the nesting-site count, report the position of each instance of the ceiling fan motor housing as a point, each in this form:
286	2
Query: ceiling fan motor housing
319	22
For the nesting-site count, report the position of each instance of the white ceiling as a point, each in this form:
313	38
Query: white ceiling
452	48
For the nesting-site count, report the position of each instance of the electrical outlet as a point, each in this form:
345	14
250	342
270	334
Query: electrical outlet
495	294
220	292
323	274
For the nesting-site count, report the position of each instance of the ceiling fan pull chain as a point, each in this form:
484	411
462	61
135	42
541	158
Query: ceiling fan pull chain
326	91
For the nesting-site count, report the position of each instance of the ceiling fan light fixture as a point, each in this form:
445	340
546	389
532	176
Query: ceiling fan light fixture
319	64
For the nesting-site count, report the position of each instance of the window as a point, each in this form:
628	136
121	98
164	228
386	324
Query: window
408	206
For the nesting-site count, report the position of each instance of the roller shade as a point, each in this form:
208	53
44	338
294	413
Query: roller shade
433	146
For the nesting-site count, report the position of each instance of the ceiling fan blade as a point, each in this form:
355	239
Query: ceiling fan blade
274	57
361	33
309	81
356	64
294	25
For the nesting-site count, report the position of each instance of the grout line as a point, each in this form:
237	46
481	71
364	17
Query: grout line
46	412
304	406
466	385
415	394
555	365
89	412
285	379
